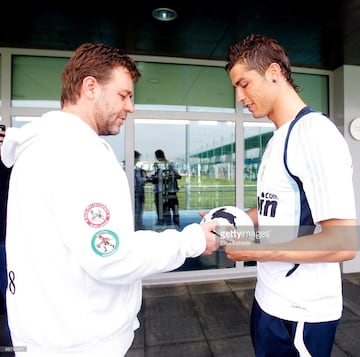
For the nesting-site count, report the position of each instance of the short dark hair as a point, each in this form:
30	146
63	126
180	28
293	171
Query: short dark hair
160	155
257	52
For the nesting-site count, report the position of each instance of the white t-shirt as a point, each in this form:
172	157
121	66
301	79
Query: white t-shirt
319	156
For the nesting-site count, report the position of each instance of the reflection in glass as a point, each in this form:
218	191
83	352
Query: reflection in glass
203	153
256	137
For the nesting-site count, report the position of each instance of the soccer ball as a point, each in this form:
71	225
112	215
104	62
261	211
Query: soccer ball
234	223
228	215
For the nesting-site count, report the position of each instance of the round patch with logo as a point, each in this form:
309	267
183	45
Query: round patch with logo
105	243
96	215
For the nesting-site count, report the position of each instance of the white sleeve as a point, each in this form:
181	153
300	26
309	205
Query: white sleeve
110	250
319	155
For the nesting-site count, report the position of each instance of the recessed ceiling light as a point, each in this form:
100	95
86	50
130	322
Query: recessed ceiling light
164	14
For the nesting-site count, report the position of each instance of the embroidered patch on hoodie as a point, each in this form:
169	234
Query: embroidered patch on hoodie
105	243
97	215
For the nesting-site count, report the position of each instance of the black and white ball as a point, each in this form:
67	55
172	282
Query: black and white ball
230	219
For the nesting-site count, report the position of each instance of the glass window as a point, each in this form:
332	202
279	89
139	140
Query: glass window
203	153
36	81
314	90
256	136
117	142
184	85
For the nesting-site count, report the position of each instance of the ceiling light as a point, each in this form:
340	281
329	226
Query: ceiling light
164	14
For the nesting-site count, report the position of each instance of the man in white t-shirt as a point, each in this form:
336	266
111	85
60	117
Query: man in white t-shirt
305	214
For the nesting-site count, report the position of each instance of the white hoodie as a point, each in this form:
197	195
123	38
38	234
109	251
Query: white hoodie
75	263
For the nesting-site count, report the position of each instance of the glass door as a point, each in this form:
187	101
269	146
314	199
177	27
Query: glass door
202	153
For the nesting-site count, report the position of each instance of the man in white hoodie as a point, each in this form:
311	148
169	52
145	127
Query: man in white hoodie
75	262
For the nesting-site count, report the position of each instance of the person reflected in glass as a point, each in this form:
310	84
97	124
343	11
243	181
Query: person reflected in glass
165	180
141	178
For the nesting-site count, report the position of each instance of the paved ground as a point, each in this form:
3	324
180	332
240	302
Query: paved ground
211	319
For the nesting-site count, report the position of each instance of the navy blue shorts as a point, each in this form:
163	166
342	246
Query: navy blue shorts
274	337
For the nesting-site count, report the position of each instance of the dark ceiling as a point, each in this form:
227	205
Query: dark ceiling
315	36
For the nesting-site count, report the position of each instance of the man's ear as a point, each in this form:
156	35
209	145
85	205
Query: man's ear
273	72
89	86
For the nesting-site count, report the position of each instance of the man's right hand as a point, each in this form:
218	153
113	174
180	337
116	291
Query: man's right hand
212	239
